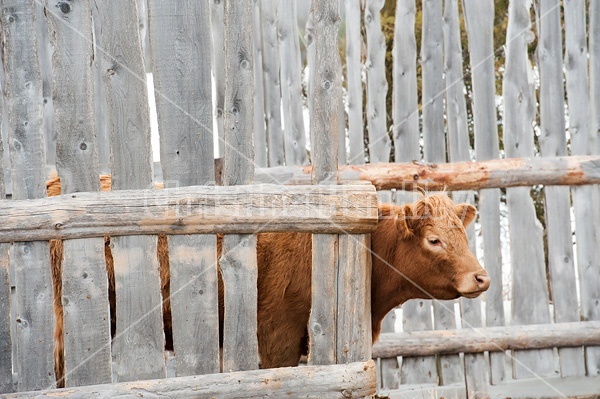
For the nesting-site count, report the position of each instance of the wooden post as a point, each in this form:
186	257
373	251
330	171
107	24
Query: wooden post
585	199
529	282
405	112
6	375
139	342
553	143
23	91
86	321
354	82
272	84
238	259
184	105
260	134
377	86
218	67
291	87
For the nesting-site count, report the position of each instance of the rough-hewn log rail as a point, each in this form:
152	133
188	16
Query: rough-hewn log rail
192	210
493	339
511	172
353	380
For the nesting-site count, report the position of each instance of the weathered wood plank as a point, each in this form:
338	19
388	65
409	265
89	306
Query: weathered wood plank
585	199
529	283
417	317
238	260
198	210
45	59
388	375
493	339
6	376
433	82
479	20
553	142
291	87
356	154
356	380
184	106
457	176
260	134
325	83
377	86
354	300
84	281
217	27
30	260
272	84
139	342
405	111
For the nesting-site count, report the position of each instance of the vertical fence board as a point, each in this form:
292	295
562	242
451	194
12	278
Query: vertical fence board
356	154
553	143
238	260
405	110
84	279
6	380
326	84
139	341
433	82
260	134
582	143
594	43
291	87
530	292
184	107
479	20
458	150
31	260
218	66
272	84
377	86
45	57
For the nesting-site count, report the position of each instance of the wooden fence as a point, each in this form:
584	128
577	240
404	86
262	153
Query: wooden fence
547	114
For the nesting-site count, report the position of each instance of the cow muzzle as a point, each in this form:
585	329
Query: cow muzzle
474	284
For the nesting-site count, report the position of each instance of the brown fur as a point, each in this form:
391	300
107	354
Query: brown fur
404	267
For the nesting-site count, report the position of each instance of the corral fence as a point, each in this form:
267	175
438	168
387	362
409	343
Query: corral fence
83	111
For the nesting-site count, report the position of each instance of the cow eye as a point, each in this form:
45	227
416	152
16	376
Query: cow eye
434	241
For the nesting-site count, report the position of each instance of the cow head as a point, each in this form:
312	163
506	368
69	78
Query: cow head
423	252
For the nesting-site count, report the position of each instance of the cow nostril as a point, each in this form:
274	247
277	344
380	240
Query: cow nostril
483	280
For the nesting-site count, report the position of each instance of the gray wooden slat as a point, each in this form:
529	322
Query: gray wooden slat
417	314
479	20
594	68
184	106
45	58
142	7
271	81
342	151
218	67
585	199
451	368
260	134
6	379
238	260
377	86
30	260
433	82
138	346
85	284
529	282
405	112
291	87
557	199
354	82
325	92
102	123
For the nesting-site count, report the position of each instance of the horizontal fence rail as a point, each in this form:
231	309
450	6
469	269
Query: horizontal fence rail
457	176
492	339
353	380
192	210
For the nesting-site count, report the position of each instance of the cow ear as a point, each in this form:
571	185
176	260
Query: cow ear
404	221
466	213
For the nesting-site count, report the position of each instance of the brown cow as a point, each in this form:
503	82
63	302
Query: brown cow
420	250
